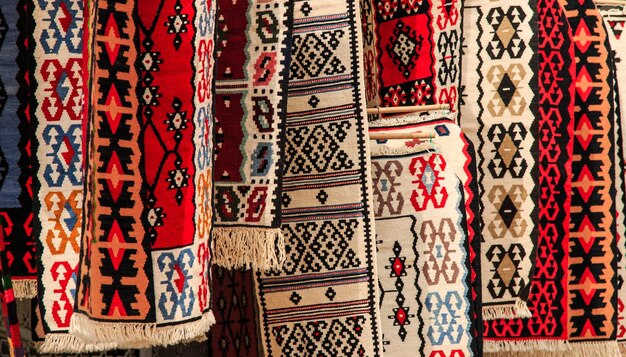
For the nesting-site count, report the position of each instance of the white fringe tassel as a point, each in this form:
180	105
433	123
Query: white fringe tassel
517	310
385	150
139	335
575	349
243	247
498	346
407	119
25	289
66	343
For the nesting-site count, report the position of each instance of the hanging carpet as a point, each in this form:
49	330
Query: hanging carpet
16	199
412	52
422	253
499	114
143	276
547	329
324	299
250	104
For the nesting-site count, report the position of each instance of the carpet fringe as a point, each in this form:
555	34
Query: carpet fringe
139	335
384	150
414	118
503	346
25	289
575	349
622	345
512	311
247	247
66	343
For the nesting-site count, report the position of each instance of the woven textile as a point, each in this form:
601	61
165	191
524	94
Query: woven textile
249	122
592	298
500	116
422	253
137	285
8	304
324	300
547	329
412	52
614	20
235	331
460	157
56	90
15	152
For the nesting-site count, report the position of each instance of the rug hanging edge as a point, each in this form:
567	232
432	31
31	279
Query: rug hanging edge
248	247
139	335
25	288
531	345
66	343
510	311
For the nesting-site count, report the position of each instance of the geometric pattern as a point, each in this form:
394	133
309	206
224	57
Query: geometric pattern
323	300
614	19
412	52
235	329
547	328
501	118
592	297
15	145
250	111
422	258
57	144
131	273
459	155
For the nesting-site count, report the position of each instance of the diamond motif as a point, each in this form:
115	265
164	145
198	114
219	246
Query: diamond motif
507	211
295	298
506	89
404	48
177	24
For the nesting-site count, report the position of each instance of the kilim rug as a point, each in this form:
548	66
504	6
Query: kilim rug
614	20
143	279
235	331
422	253
324	299
547	329
592	298
412	52
8	304
499	114
460	157
249	122
15	154
56	89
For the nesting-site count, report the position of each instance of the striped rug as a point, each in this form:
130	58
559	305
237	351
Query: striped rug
324	299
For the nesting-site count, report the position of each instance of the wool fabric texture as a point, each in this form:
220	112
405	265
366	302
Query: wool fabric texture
324	299
592	297
500	116
15	139
459	153
412	52
143	278
614	17
252	68
547	329
422	253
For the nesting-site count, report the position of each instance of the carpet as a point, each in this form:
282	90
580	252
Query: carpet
56	91
143	280
499	114
614	19
547	329
412	52
8	304
460	157
422	253
592	298
324	299
235	333
250	103
15	152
